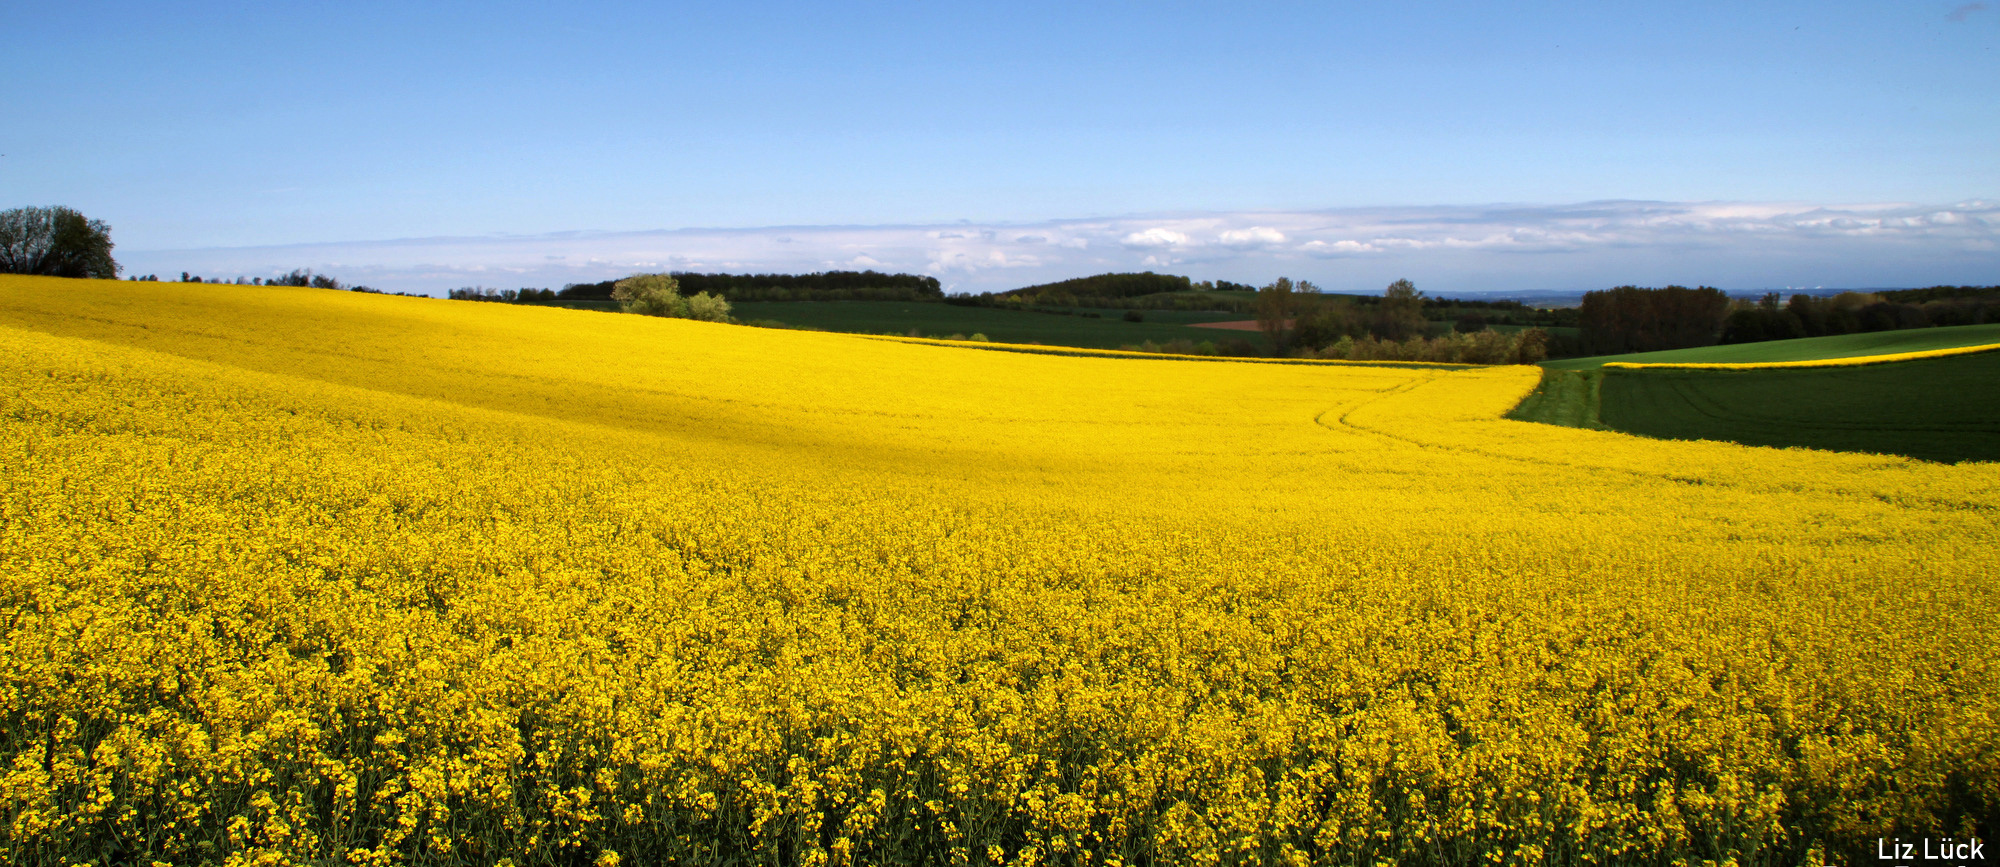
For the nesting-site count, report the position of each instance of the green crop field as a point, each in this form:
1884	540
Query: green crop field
1940	409
1107	331
1804	349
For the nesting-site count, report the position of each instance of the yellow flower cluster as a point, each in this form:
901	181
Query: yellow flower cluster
1853	361
299	576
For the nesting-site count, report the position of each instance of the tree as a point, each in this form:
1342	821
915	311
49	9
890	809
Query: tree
660	295
707	308
1325	320
1531	346
55	242
650	295
1278	307
1400	316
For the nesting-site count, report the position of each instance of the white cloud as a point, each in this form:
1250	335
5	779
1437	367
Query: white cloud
1339	248
977	260
1255	236
1155	237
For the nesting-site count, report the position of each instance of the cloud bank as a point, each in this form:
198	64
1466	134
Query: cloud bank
1495	248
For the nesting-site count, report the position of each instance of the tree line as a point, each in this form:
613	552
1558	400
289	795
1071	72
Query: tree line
504	296
301	277
1632	319
1302	322
1854	312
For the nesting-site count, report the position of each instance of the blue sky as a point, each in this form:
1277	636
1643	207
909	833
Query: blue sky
325	130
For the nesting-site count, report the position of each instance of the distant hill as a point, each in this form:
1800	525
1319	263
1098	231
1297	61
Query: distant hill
818	286
1126	285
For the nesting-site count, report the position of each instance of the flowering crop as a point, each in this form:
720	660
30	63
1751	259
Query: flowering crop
299	576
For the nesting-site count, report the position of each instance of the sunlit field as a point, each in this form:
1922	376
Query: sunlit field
303	576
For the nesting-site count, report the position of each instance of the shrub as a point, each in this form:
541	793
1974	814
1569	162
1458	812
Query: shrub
650	295
708	308
659	295
1481	347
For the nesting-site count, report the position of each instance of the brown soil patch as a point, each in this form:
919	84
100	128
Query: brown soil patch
1233	325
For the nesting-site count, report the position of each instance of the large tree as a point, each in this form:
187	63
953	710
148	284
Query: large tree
1278	309
1400	316
56	242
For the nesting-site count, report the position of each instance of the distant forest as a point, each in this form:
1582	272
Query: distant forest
1631	319
820	286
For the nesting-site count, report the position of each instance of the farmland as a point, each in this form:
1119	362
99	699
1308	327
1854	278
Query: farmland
1930	408
319	577
1940	409
1105	330
1803	349
1087	328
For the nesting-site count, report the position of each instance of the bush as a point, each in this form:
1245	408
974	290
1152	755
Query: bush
707	308
1479	347
650	295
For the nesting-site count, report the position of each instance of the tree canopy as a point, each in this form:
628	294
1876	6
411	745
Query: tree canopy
660	295
55	242
1631	319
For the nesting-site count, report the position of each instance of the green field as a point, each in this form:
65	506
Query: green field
1939	409
1108	331
1804	349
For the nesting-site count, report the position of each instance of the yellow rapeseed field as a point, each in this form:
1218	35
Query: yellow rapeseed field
311	577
